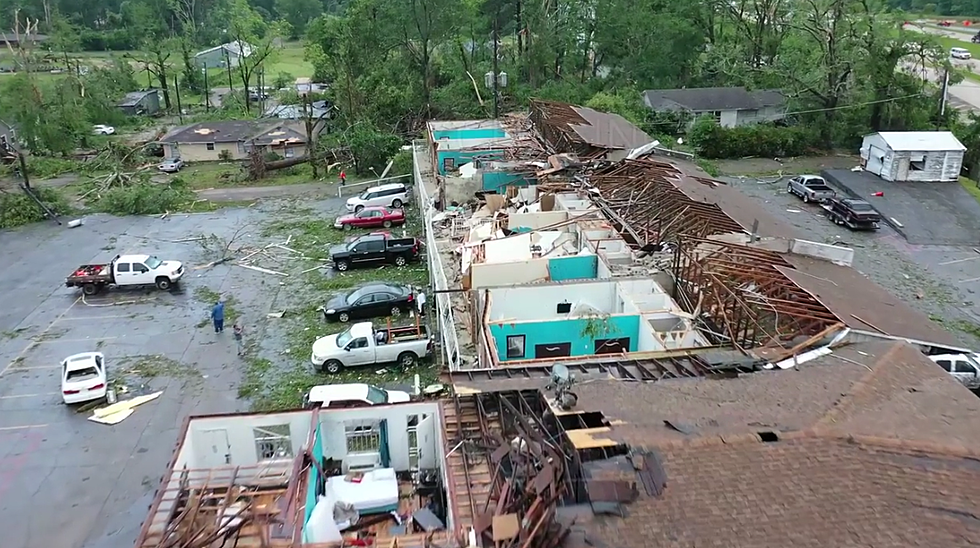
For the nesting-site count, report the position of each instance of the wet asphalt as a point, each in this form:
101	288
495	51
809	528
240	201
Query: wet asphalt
69	482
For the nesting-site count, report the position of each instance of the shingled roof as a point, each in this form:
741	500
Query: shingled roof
711	99
870	446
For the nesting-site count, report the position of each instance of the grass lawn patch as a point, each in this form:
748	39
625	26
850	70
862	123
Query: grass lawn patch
205	175
290	60
971	187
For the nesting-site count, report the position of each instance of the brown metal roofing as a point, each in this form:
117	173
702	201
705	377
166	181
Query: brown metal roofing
872	446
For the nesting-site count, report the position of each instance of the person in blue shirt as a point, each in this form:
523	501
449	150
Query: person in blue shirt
218	316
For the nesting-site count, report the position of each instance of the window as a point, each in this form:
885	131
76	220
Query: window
362	438
612	346
917	162
963	367
290	152
139	268
363	214
515	346
82	374
153	262
210	146
375	213
381	297
945	364
273	442
717	116
122	267
376	395
448	164
367	299
359	343
553	350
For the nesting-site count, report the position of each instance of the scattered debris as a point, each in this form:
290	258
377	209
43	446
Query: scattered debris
794	211
120	411
894	220
75	223
276	314
263	270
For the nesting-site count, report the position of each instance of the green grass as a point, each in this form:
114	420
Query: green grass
290	60
204	175
971	187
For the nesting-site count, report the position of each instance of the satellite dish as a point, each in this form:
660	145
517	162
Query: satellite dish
560	374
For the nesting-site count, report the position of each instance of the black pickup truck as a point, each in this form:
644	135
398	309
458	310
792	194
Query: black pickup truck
375	249
854	214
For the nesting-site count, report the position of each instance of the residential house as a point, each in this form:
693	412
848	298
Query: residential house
141	103
223	56
15	40
586	132
454	143
8	136
234	140
730	107
924	156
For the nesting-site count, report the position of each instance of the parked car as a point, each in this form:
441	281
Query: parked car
810	188
371	217
83	377
171	165
959	53
100	129
126	270
359	345
854	214
345	396
963	367
373	250
393	195
976	38
369	301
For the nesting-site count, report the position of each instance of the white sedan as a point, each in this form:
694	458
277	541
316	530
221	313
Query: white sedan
334	396
83	377
100	129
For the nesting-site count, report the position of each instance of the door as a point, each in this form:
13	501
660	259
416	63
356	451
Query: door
876	159
141	274
364	307
965	372
361	352
124	274
216	449
382	304
425	435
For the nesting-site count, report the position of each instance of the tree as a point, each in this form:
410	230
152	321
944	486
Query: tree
255	38
298	14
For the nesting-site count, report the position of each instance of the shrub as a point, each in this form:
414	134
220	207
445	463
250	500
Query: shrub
17	208
144	198
763	140
224	155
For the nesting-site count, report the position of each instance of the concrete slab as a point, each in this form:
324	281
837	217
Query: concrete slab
927	213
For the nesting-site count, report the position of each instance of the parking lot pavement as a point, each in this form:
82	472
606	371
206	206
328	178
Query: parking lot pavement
68	482
936	280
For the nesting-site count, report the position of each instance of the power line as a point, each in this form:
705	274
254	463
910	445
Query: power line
855	105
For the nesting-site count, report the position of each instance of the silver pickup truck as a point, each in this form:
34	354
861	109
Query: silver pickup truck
963	367
810	188
362	344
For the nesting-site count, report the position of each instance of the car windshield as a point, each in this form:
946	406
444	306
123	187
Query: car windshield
82	374
152	263
353	297
376	395
343	339
364	195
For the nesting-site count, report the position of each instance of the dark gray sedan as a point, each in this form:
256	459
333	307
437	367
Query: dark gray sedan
370	301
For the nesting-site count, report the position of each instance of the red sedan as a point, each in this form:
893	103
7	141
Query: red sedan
370	217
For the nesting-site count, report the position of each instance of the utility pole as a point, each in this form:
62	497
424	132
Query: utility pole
207	90
496	72
945	94
180	111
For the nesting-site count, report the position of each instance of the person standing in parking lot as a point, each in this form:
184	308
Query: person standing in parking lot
239	332
218	316
343	178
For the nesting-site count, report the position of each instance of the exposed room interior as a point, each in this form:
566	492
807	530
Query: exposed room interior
320	477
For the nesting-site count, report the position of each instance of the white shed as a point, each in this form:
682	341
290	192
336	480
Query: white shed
925	156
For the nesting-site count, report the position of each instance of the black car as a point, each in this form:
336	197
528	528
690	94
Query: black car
369	301
373	250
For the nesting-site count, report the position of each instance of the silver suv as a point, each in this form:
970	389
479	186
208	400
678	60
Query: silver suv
393	195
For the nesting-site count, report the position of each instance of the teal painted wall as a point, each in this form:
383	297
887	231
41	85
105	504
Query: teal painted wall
496	181
317	452
577	267
459	134
464	156
560	331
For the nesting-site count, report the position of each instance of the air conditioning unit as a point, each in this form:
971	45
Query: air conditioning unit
362	462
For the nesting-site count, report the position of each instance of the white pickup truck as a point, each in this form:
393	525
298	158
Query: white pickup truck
362	344
126	270
963	367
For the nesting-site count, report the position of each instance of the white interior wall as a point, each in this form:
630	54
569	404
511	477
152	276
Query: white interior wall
647	341
602	271
230	440
506	250
541	302
535	220
332	426
513	273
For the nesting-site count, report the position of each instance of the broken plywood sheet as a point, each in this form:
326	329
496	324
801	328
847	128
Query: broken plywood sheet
495	202
460	390
591	438
508	250
119	411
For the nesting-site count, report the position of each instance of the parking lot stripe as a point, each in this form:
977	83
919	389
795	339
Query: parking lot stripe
29	367
34	342
27	396
958	261
93	318
25	427
77	340
970	280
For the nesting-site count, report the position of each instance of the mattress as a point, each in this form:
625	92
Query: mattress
377	492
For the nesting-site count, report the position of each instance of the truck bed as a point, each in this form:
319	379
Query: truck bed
90	273
408	333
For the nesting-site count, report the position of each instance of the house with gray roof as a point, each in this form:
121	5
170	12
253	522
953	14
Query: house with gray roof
140	103
234	140
225	55
730	107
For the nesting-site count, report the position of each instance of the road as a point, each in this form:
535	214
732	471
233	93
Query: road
962	96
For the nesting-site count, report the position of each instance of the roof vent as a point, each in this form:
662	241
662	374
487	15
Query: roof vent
768	437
